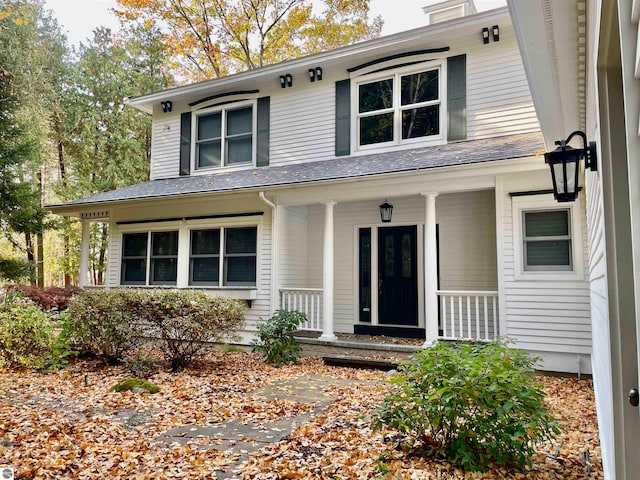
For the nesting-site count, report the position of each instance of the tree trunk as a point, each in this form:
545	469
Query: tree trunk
29	248
40	262
102	254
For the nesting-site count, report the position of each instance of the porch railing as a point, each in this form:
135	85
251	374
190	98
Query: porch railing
470	315
305	300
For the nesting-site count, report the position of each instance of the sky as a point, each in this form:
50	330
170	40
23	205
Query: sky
78	18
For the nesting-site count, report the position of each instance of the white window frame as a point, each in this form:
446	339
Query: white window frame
184	227
398	142
223	109
539	203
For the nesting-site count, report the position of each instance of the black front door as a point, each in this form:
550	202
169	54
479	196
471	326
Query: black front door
397	276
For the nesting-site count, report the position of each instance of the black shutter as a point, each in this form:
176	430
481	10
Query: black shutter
185	143
343	118
457	97
262	139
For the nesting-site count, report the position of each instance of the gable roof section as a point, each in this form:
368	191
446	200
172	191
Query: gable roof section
449	155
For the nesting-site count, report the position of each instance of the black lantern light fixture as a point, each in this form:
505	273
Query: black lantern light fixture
564	163
485	35
386	211
495	30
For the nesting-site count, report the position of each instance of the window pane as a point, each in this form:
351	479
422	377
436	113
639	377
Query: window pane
164	243
134	271
210	126
205	242
239	150
545	224
164	270
421	122
240	270
549	252
209	154
419	87
240	240
134	244
205	270
375	96
239	121
376	129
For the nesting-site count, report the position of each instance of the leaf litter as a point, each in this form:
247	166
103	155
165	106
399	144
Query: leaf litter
70	424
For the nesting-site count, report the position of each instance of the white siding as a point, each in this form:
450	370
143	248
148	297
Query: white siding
498	97
303	125
165	147
547	316
292	247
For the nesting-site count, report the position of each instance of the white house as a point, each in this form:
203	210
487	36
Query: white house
267	186
583	63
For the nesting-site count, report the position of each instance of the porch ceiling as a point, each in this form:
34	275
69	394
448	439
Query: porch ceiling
449	155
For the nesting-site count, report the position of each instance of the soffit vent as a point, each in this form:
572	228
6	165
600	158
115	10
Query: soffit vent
553	54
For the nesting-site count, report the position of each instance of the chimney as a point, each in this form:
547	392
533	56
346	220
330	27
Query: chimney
448	10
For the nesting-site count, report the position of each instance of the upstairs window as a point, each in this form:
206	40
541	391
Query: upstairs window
224	137
399	108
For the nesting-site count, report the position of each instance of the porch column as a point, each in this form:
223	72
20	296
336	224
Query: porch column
430	270
83	276
327	275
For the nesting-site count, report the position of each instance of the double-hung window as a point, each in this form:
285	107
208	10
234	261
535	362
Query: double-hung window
547	240
232	251
224	136
399	108
149	258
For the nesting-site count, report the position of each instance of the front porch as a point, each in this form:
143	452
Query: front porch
430	273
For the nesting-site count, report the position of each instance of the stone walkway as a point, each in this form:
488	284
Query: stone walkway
238	439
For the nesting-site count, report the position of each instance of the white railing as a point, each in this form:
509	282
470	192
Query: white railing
469	315
305	300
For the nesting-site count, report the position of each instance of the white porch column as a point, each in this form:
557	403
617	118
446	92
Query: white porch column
83	275
430	270
327	275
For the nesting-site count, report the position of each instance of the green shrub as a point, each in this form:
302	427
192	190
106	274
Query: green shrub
473	404
275	340
26	335
100	321
187	321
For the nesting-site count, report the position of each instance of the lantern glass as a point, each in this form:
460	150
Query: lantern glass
564	165
386	211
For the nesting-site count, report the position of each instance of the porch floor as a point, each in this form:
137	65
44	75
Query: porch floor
369	351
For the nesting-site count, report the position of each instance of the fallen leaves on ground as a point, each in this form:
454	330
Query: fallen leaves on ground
70	424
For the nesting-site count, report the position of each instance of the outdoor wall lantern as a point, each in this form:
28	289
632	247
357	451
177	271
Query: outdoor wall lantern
485	35
564	163
496	33
386	211
286	80
166	106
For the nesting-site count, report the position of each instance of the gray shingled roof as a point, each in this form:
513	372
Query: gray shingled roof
451	154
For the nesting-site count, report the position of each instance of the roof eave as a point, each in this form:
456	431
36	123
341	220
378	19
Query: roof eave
145	102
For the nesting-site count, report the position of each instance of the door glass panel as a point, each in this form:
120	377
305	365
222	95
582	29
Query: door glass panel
365	274
389	256
406	256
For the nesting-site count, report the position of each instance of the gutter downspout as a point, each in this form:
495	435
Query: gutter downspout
273	300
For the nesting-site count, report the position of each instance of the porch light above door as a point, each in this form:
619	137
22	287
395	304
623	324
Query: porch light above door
564	163
386	211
